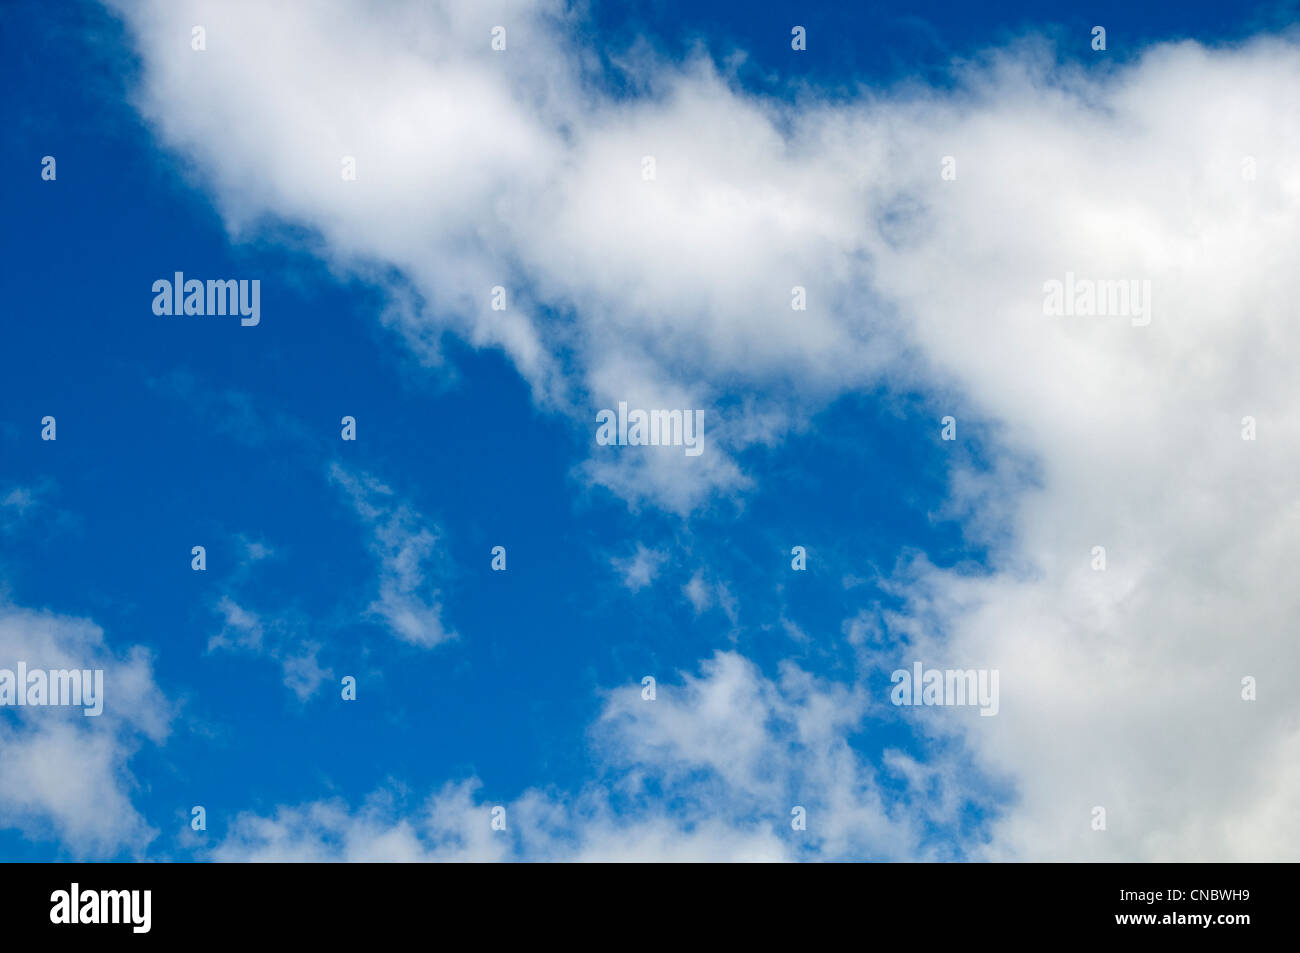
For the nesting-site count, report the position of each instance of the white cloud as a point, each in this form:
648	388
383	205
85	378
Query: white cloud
704	593
547	199
639	569
699	592
255	550
404	544
1119	688
734	751
278	638
64	773
20	499
16	505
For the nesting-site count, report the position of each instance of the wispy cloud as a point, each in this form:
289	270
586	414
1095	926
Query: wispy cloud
17	504
639	569
406	547
703	593
733	752
279	638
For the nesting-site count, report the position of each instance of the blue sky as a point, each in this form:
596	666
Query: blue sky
175	432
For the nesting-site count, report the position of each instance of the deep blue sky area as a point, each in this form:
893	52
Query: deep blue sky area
873	43
175	433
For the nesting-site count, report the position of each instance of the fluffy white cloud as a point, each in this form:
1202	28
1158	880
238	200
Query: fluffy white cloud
477	169
66	773
1120	688
733	751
